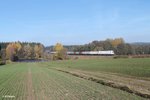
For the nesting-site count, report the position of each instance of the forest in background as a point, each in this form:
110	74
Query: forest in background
15	51
118	45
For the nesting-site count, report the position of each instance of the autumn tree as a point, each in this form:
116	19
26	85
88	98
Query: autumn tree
12	51
60	51
27	51
18	49
116	42
24	50
41	50
18	46
38	50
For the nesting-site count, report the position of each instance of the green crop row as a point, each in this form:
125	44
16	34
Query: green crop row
35	81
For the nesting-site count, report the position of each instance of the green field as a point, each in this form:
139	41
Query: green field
135	67
42	81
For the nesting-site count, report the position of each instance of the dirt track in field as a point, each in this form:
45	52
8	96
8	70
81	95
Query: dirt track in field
114	82
30	87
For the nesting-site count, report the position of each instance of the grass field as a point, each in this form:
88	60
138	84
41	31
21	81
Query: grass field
135	67
131	73
40	81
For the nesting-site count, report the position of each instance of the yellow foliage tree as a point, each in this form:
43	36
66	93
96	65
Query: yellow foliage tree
18	46
116	42
58	47
12	49
60	51
38	49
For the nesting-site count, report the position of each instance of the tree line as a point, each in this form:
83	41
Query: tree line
21	50
14	51
118	45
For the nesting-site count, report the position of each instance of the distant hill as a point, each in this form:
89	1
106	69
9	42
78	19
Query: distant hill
141	43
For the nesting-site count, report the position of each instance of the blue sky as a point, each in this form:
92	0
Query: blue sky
74	21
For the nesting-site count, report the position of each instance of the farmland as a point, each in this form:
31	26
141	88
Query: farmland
133	67
132	74
49	80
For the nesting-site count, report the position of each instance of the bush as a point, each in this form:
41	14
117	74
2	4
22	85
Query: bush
121	56
2	62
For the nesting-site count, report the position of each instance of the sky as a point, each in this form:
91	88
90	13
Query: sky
73	22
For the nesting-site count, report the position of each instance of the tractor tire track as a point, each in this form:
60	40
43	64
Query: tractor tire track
29	86
110	84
